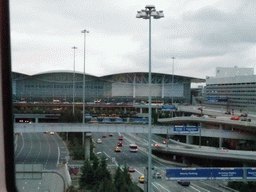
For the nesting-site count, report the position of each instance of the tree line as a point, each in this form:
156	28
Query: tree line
97	178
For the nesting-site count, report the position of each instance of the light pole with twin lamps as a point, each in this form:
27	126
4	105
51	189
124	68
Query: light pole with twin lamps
84	32
149	12
172	78
74	78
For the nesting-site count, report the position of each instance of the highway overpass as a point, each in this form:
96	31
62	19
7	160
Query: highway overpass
126	128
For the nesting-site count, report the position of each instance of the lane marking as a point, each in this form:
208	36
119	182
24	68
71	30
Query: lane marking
138	172
210	186
200	187
21	147
162	187
195	189
156	187
58	156
106	154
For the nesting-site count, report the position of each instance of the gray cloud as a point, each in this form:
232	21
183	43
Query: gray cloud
201	39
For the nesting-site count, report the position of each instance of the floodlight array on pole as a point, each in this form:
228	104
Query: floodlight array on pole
172	77
84	32
149	12
74	79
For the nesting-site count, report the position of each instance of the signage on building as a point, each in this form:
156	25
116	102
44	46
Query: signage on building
186	129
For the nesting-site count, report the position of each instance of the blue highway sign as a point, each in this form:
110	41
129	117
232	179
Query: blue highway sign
227	173
188	173
251	173
186	129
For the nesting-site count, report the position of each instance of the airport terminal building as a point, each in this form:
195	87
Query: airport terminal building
232	88
121	87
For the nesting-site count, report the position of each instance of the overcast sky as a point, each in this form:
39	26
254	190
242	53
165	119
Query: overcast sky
200	34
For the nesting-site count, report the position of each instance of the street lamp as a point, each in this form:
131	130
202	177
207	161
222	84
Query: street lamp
172	77
74	79
149	12
84	32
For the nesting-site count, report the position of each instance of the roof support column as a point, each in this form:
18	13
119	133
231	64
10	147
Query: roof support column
87	145
189	139
220	138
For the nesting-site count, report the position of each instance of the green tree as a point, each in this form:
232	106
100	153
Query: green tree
95	162
102	177
71	188
86	180
104	185
122	180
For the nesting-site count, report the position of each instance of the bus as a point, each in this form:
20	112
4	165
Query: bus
133	148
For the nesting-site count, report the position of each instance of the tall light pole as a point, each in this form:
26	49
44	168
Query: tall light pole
149	12
172	77
74	79
84	32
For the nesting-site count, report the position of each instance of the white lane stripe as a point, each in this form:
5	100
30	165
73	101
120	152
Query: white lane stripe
162	187
58	156
200	188
195	188
210	185
138	172
106	154
21	147
156	187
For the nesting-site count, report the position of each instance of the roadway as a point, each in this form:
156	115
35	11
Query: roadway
40	149
139	160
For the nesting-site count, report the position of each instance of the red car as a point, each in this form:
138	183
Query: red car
110	135
199	108
120	144
104	136
234	118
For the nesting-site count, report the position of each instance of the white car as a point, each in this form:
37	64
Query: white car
51	133
99	141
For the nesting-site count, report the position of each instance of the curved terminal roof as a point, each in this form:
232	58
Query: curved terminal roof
184	78
17	75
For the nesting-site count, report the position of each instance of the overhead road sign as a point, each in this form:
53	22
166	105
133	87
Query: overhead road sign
186	129
188	173
227	173
208	173
251	173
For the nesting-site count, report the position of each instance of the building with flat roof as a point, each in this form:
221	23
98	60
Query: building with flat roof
233	88
58	85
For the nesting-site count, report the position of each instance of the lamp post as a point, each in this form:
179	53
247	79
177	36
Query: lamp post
172	77
84	32
149	12
172	81
74	79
